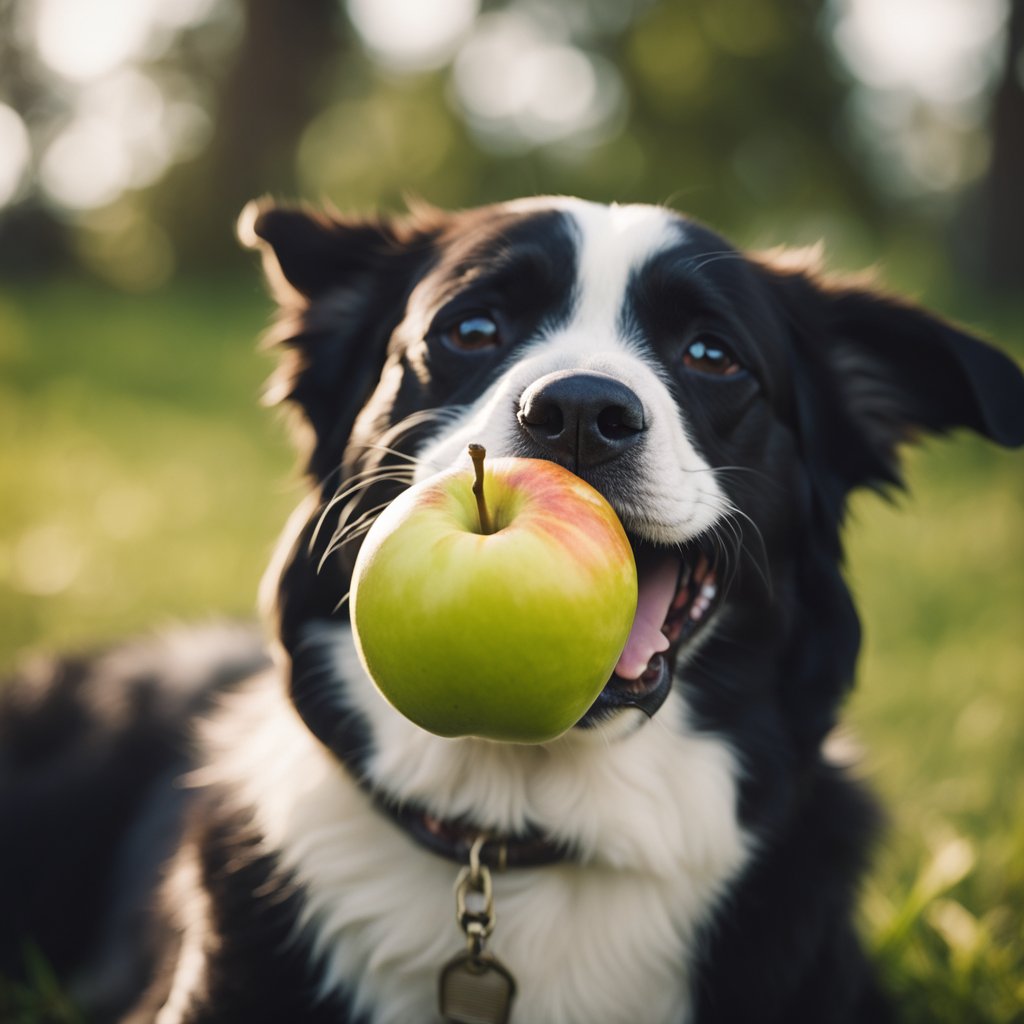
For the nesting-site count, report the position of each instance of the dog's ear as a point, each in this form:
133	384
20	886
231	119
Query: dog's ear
874	372
870	373
342	286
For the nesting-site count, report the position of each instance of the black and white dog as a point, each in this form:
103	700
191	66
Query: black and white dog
689	852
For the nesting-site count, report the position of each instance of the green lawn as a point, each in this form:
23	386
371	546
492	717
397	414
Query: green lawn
140	483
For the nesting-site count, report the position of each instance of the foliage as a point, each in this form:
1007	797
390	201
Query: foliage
39	999
940	582
740	110
141	479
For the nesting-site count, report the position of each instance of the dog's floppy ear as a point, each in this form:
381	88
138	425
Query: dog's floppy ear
342	285
874	372
870	373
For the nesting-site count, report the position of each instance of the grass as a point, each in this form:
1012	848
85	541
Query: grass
143	482
140	482
940	582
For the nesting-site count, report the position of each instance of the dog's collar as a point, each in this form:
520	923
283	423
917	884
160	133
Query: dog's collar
342	732
454	839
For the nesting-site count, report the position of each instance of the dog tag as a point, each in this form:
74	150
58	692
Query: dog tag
476	989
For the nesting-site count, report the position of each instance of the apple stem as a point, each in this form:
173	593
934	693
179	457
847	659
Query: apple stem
477	453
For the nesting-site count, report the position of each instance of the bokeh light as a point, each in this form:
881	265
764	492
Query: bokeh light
944	51
925	70
85	41
124	133
412	35
15	154
519	88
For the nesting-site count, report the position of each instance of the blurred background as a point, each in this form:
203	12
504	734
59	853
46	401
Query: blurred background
140	482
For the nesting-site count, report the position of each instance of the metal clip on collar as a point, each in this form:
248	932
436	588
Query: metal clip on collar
474	986
474	899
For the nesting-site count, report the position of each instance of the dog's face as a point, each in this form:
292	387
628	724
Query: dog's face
724	405
620	343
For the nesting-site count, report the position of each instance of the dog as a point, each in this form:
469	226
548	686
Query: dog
690	851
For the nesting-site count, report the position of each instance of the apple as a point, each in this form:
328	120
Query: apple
494	602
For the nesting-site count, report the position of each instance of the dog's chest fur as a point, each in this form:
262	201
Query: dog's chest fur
606	939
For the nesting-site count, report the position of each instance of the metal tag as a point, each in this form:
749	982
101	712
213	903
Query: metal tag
476	989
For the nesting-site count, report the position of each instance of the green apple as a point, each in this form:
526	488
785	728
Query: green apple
494	604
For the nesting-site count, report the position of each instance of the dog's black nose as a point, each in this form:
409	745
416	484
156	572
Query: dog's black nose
586	418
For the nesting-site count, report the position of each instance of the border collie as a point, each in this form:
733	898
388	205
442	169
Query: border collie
690	851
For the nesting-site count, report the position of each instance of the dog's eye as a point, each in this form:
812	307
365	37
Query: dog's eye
473	334
707	354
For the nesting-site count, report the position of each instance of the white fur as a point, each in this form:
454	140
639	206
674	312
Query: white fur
674	496
192	906
607	938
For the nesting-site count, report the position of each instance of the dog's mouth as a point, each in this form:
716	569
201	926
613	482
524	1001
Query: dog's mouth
678	593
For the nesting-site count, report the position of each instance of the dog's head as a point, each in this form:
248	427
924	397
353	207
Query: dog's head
725	405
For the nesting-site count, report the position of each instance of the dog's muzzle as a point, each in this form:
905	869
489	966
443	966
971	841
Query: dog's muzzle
585	420
581	419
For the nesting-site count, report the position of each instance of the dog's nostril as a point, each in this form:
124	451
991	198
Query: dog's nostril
541	413
617	422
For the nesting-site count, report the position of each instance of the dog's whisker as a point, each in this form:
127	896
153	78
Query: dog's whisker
356	485
350	532
386	441
370	471
706	259
727	515
384	446
404	456
761	475
758	559
369	477
346	531
375	474
416	419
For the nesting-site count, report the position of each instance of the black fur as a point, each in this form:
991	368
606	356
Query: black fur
91	755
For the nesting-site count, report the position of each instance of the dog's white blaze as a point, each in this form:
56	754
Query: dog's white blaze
673	494
604	940
616	240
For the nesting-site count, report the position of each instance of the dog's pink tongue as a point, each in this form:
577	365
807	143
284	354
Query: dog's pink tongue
657	587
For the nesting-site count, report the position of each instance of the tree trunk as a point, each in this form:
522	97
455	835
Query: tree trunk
1002	213
274	86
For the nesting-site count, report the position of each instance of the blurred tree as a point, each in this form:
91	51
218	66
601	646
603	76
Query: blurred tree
733	109
276	79
1001	262
729	108
737	114
32	239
